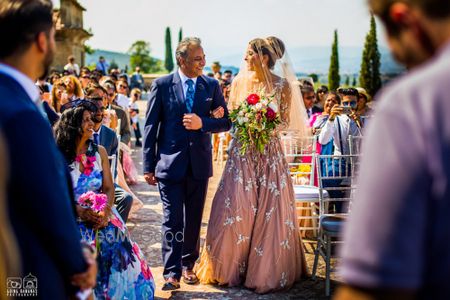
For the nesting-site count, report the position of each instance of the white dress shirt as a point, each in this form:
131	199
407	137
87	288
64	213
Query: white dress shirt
331	131
184	78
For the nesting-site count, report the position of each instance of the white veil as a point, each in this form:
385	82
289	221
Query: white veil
272	70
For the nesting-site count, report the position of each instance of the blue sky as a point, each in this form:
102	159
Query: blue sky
225	26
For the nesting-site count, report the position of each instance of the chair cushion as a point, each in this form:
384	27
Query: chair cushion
332	223
308	192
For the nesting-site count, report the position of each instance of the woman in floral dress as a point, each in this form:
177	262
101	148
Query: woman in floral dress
123	272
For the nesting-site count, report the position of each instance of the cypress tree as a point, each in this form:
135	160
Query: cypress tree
347	80
334	79
369	75
180	34
354	81
168	62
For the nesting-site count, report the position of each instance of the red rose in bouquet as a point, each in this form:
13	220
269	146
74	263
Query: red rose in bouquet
252	99
270	114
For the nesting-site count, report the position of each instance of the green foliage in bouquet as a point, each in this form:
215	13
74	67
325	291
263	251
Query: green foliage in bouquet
255	121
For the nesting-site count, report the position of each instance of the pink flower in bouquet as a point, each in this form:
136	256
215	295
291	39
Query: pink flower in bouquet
100	201
270	114
252	99
87	199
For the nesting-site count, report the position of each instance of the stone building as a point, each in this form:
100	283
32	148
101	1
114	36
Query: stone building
70	33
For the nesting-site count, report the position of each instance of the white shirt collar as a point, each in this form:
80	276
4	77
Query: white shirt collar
27	84
99	129
184	78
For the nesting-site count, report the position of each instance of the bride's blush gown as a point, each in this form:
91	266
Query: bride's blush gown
253	236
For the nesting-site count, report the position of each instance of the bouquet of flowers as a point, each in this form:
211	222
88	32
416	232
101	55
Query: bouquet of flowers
94	201
255	120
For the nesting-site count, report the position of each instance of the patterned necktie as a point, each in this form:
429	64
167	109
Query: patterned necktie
96	139
190	95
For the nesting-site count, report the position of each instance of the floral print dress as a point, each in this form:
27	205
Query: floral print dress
123	272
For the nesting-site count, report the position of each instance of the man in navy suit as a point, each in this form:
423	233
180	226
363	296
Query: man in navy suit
39	201
177	154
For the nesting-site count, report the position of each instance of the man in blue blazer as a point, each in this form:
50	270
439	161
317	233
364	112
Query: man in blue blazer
177	154
38	196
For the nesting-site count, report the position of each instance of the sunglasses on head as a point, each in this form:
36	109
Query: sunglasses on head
348	91
79	102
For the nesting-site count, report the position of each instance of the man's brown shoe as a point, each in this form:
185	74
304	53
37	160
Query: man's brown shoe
189	277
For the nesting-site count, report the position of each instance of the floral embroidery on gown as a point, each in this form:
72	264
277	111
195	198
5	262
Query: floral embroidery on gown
253	236
123	272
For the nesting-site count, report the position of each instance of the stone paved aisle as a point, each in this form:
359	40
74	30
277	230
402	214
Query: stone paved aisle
145	229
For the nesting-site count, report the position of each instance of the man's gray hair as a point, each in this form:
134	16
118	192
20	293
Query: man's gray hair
183	47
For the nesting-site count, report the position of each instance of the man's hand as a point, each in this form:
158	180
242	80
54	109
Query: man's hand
218	113
88	279
336	110
192	122
150	178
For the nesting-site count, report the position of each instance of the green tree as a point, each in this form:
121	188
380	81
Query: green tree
168	62
314	77
369	75
140	56
88	49
354	81
347	80
334	79
180	34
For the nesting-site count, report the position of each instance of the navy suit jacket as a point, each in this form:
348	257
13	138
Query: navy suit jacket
39	202
169	148
108	139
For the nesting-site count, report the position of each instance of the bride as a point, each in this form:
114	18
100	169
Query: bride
253	235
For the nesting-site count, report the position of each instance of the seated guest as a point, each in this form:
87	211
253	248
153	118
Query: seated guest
125	133
320	96
85	79
107	138
123	271
122	94
73	87
133	109
309	98
59	95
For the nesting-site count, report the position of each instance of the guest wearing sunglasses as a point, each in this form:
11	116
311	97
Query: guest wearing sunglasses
122	94
125	132
341	123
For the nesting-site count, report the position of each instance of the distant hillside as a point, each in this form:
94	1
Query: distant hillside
121	59
317	59
306	60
